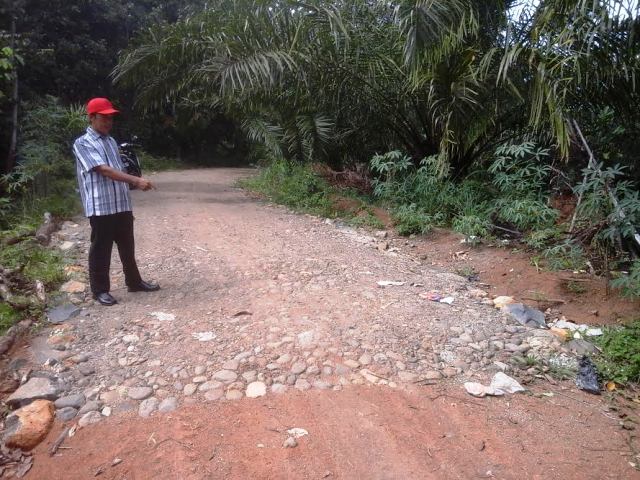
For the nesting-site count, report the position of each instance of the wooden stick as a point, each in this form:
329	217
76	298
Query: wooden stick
507	230
545	300
56	445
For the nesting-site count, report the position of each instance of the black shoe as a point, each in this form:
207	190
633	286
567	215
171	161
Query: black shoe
105	299
145	287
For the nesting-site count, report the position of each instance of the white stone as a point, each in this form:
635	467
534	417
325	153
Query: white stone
256	389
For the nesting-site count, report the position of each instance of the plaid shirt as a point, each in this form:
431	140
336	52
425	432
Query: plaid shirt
100	195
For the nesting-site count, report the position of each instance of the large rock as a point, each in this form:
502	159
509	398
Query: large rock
28	426
37	388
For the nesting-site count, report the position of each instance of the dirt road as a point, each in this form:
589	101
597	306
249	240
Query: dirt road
285	308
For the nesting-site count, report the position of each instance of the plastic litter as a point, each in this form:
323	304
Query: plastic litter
297	432
527	316
479	390
163	317
204	336
437	297
433	296
501	384
504	383
587	378
578	328
390	283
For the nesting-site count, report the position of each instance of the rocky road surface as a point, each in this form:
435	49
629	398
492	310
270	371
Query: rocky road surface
257	301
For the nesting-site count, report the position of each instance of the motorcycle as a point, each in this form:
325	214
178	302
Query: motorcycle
130	159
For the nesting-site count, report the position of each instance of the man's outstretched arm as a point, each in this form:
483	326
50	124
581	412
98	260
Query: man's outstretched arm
142	183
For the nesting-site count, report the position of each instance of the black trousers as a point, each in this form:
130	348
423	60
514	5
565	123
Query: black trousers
106	229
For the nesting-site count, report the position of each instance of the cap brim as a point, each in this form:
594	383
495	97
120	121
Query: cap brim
108	111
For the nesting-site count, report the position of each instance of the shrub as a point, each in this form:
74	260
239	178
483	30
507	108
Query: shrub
471	226
8	317
629	283
293	185
565	256
620	357
44	178
410	220
36	262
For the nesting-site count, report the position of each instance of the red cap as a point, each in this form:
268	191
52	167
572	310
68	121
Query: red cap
100	105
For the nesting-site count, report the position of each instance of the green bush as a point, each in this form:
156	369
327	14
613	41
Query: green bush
542	238
411	220
8	317
35	261
367	219
44	178
295	186
620	357
629	283
471	226
521	177
565	256
513	190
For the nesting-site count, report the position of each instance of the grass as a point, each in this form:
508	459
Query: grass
35	261
295	186
152	163
8	317
561	373
576	288
620	357
466	271
367	219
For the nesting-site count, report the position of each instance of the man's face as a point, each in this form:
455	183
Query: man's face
101	123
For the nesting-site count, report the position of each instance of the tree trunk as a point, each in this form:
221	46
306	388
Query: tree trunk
13	143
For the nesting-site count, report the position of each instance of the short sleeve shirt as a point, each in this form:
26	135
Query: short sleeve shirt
100	195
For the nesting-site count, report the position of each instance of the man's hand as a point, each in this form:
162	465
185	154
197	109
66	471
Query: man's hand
141	183
145	185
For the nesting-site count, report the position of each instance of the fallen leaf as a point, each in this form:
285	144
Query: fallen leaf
611	386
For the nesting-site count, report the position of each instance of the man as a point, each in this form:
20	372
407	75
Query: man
104	190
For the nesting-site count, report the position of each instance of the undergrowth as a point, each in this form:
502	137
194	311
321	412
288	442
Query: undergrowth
620	357
35	262
154	163
294	185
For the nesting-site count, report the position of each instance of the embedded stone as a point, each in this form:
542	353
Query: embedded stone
28	426
37	388
256	389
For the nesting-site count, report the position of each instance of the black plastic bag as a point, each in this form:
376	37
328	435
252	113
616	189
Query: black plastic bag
587	378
